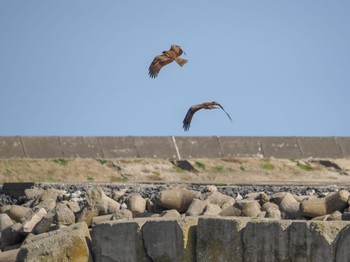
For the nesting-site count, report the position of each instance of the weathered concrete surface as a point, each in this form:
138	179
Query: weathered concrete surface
173	147
11	147
220	239
240	146
344	143
266	240
319	147
81	146
232	239
71	243
119	240
281	147
118	146
163	240
145	239
155	147
197	147
42	146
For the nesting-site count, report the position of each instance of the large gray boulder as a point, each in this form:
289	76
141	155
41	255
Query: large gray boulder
176	198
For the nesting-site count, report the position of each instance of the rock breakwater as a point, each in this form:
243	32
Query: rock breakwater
41	213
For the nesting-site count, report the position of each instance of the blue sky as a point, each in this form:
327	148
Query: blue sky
80	68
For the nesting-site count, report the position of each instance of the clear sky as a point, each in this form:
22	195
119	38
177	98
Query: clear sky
80	68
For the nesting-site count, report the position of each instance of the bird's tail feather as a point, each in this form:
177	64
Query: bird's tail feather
181	61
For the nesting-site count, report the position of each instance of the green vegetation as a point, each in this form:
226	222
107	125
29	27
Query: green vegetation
305	167
119	179
101	161
218	169
200	165
61	161
89	178
155	173
179	170
242	168
265	164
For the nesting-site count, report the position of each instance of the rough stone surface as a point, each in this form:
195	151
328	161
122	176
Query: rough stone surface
118	241
196	207
176	198
163	240
212	210
136	204
71	242
31	222
214	243
64	215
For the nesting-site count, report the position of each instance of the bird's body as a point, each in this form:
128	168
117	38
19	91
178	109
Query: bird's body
193	109
173	54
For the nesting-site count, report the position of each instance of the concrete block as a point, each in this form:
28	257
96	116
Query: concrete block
280	147
81	146
259	245
11	147
70	243
314	241
155	147
118	147
343	250
239	146
220	239
16	190
42	147
322	147
163	240
198	147
176	198
344	143
118	241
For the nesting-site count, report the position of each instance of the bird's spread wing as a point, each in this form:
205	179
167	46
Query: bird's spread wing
188	118
157	64
224	111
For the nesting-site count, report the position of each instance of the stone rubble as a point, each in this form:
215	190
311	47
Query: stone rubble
45	210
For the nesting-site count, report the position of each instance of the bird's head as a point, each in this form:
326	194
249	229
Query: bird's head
177	49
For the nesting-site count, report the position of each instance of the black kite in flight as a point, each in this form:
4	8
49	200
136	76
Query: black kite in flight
165	58
195	108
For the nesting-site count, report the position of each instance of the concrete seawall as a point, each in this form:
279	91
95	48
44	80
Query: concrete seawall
221	239
172	147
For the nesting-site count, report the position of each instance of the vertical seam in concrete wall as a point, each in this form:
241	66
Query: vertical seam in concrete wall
221	153
261	147
299	147
136	149
59	142
176	148
24	150
341	150
100	145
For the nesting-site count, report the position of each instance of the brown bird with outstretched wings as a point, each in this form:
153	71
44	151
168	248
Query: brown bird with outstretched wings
166	58
195	108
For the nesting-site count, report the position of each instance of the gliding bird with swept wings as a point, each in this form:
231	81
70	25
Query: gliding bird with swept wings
193	109
166	58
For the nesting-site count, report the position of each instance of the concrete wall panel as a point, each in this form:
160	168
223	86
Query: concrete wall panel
118	146
11	147
280	147
155	147
344	143
239	146
319	147
42	147
173	147
197	147
81	146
